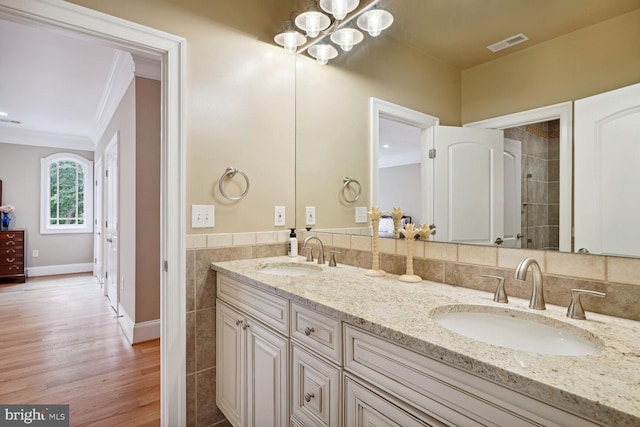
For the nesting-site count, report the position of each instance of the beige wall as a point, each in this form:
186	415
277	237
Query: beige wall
239	101
599	58
20	175
147	199
332	118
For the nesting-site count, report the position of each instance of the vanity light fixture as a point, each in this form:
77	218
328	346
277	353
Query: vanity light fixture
312	20
290	38
339	8
346	38
323	52
374	21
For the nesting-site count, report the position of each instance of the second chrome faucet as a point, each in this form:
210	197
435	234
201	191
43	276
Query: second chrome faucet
537	296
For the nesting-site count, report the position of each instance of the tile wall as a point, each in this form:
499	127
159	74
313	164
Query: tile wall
455	264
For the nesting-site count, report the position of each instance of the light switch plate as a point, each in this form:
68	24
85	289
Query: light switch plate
202	216
361	215
279	215
310	217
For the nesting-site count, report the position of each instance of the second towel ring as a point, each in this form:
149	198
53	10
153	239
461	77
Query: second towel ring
231	172
345	183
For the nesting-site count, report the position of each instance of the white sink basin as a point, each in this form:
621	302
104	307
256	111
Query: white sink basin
517	330
293	269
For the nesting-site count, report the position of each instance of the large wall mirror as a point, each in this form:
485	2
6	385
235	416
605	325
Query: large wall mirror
434	61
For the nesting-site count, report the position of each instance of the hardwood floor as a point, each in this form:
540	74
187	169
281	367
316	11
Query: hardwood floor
61	344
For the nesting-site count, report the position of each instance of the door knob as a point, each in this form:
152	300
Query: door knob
308	397
499	241
308	330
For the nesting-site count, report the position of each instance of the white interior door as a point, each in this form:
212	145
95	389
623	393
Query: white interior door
468	175
98	242
111	222
512	193
607	172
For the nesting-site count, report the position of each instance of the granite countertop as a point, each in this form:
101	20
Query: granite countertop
603	386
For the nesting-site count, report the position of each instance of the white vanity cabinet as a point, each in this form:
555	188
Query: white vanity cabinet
252	360
316	355
446	395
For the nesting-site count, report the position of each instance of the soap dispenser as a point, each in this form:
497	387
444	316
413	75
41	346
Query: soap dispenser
293	243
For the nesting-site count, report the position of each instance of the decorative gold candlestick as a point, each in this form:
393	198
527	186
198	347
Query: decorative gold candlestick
409	232
375	215
426	231
396	214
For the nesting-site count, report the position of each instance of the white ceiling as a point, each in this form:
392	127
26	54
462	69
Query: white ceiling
61	89
403	142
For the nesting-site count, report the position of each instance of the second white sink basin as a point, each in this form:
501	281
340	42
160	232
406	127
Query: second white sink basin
293	269
517	330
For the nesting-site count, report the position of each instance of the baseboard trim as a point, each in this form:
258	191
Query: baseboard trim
138	332
51	270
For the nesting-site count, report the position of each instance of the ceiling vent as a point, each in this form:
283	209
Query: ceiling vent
513	40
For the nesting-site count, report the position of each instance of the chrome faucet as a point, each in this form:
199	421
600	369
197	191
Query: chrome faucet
320	249
537	297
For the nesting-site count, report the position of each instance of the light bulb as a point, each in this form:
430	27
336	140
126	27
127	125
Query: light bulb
290	39
346	38
339	8
323	52
374	21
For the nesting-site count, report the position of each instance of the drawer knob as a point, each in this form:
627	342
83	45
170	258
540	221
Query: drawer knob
11	251
245	325
309	396
238	322
11	259
11	236
11	242
308	330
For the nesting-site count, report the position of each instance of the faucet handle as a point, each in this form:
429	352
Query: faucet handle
575	310
332	259
309	253
501	294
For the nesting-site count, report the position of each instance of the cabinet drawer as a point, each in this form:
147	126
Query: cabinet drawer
10	251
366	407
315	395
445	392
268	308
317	331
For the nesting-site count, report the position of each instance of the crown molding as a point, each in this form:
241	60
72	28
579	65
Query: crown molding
120	77
45	139
149	68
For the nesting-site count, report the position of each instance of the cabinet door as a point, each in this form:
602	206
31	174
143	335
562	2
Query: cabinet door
230	356
267	377
364	408
315	390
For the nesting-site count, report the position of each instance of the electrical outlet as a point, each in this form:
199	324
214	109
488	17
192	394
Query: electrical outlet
310	217
35	253
202	216
361	215
278	215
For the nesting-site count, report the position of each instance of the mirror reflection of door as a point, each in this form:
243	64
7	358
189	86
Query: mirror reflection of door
111	222
607	150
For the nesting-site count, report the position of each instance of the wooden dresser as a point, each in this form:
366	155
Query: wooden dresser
12	255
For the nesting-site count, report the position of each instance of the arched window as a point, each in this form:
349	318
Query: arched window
66	194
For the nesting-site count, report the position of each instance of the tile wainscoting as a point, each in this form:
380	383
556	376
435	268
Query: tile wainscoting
459	265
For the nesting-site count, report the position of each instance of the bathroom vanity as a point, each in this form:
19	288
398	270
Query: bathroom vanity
307	345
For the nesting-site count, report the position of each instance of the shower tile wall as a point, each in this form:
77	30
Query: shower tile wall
540	183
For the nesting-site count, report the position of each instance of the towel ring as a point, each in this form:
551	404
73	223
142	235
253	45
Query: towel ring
231	172
345	182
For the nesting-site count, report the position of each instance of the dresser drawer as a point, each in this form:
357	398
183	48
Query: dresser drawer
315	391
11	239
10	251
317	331
264	306
11	259
11	269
